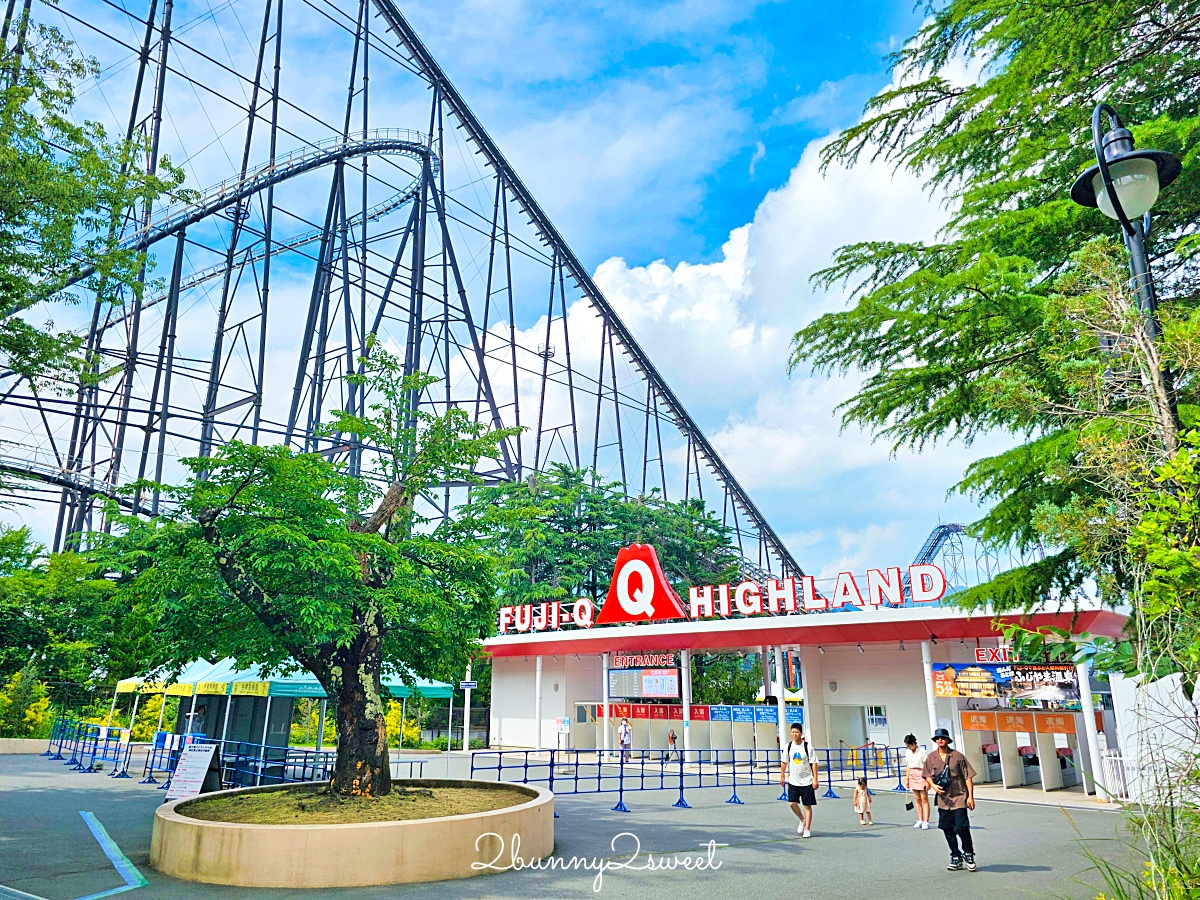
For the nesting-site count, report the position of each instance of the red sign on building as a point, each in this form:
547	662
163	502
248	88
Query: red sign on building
658	711
639	591
641	711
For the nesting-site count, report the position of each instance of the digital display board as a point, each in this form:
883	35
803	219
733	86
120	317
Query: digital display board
630	684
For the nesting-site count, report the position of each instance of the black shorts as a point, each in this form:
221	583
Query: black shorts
802	794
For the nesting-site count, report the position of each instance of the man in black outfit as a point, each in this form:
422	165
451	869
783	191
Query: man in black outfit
955	795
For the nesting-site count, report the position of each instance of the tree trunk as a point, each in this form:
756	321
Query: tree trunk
362	767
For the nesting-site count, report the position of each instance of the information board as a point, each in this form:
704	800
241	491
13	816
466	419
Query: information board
190	772
743	714
629	684
720	714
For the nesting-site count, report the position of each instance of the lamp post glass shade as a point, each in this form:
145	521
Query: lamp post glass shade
1136	175
1136	184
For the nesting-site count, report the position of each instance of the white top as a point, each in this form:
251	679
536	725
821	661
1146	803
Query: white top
625	733
800	758
915	759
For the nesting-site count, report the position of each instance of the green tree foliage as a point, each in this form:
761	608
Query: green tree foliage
558	533
66	193
723	678
24	706
275	557
958	337
60	612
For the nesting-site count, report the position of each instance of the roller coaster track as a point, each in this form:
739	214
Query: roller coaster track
219	197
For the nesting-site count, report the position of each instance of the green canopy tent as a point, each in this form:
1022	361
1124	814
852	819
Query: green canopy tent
259	706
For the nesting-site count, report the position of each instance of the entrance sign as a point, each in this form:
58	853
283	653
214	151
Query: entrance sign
193	766
643	660
468	685
639	591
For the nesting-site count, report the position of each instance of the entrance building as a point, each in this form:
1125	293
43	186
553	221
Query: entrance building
870	674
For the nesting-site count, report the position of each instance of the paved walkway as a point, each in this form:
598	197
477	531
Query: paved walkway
47	850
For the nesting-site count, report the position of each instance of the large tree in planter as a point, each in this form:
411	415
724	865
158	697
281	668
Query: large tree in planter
271	555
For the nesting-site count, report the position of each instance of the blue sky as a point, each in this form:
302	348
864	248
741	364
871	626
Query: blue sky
762	79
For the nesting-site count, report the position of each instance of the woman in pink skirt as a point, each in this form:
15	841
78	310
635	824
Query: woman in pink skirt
914	764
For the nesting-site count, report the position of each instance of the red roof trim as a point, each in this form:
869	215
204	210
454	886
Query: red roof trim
879	626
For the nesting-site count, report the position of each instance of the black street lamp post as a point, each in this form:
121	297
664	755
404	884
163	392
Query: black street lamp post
1124	183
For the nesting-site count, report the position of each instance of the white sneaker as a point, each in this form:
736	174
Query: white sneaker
800	828
925	825
807	833
917	824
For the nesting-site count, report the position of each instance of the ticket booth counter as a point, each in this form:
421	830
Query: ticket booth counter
1012	727
660	725
743	730
979	731
720	732
639	718
700	736
1058	762
766	732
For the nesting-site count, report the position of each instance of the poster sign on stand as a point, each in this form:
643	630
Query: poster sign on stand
191	772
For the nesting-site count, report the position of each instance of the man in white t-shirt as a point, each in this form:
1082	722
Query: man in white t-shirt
799	774
625	739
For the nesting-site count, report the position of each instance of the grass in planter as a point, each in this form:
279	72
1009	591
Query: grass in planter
313	805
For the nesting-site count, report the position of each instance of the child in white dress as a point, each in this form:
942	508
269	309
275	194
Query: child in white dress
862	803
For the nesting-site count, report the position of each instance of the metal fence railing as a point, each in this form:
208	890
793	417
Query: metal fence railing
82	745
618	771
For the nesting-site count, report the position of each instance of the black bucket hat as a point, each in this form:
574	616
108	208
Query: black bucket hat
943	733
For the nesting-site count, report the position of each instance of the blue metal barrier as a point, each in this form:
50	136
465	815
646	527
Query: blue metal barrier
599	771
242	763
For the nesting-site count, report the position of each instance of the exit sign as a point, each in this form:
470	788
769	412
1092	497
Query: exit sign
994	655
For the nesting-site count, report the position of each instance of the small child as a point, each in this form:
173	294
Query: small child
862	803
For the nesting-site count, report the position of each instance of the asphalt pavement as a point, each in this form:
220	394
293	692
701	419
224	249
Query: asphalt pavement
48	851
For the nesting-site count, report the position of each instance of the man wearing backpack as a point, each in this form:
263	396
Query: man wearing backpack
799	774
952	778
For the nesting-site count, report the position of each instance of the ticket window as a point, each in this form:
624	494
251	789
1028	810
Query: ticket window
720	733
1012	733
640	721
660	727
766	733
1057	749
700	734
743	731
978	731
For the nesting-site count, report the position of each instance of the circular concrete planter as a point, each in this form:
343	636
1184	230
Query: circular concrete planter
326	856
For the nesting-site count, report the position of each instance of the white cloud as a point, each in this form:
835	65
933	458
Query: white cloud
720	332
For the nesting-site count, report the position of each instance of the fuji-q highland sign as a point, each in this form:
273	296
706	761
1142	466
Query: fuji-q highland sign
640	593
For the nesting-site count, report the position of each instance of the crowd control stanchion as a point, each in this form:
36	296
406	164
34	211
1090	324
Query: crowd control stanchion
735	798
681	803
620	807
829	794
899	788
552	752
55	731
